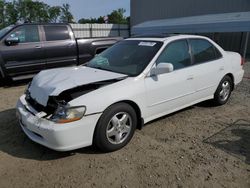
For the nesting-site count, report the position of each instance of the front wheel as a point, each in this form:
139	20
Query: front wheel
115	128
223	91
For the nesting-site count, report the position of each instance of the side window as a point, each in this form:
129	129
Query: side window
26	33
176	53
203	51
53	33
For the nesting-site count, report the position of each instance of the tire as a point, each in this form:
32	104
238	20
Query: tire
223	91
115	127
2	81
5	81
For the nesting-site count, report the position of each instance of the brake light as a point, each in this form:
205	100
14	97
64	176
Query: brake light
242	61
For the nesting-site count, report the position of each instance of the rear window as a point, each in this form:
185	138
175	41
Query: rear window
53	33
204	51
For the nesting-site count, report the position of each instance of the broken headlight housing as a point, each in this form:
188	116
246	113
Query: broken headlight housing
26	91
65	114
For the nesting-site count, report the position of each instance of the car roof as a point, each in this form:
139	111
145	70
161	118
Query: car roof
19	24
163	38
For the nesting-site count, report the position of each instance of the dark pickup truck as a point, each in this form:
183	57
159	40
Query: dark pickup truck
26	49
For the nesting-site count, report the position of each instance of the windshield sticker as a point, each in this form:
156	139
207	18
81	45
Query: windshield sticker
151	44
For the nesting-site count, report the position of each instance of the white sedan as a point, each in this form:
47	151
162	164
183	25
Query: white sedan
136	81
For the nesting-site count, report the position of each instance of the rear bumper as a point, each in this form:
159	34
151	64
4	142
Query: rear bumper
59	137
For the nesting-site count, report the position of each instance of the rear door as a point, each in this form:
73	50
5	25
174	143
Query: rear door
208	68
60	46
26	57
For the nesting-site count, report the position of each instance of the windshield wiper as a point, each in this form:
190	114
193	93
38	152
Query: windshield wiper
100	68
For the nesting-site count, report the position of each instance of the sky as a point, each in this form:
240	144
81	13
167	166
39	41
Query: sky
92	8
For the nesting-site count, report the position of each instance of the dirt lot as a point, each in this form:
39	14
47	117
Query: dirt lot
201	146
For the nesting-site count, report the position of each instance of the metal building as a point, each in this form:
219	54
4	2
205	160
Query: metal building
178	16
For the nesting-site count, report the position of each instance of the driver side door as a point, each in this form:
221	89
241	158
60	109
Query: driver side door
171	91
26	57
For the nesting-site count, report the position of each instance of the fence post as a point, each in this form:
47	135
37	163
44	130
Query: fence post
119	30
129	30
90	30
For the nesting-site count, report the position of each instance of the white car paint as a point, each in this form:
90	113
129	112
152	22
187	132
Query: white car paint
155	97
53	82
65	137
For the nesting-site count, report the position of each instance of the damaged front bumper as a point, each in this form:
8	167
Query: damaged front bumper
59	137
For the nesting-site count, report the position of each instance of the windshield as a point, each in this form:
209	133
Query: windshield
5	30
128	57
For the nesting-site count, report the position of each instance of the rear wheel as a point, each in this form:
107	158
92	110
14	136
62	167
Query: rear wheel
115	128
223	91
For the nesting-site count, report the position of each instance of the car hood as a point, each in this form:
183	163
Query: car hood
55	81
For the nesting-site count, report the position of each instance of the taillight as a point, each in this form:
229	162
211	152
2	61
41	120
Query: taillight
242	61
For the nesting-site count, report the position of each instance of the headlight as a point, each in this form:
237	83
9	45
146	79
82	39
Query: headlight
65	114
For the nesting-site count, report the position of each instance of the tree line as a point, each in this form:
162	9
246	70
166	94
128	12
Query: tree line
115	17
32	11
37	12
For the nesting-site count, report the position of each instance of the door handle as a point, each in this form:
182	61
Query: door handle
38	47
191	77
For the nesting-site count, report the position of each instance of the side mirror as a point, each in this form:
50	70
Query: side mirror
12	41
162	68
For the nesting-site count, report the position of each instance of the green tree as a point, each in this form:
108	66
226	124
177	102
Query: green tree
128	20
66	15
32	11
91	20
100	19
54	13
11	13
117	17
84	21
2	13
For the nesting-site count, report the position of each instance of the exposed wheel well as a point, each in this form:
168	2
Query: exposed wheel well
232	77
137	110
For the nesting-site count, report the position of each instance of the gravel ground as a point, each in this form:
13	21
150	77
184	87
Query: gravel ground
201	146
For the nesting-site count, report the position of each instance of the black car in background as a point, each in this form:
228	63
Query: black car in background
26	49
